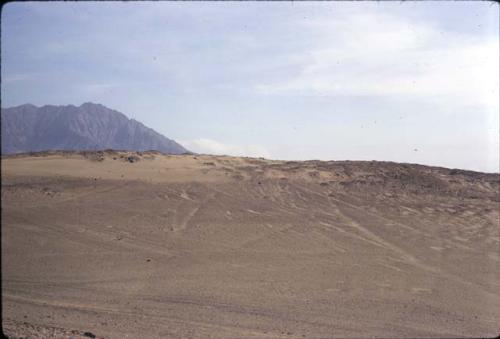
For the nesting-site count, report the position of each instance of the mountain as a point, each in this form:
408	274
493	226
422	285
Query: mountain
28	128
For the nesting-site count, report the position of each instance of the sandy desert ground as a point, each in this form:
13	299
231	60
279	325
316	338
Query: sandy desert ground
144	245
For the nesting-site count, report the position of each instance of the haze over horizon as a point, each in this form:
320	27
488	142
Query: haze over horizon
408	82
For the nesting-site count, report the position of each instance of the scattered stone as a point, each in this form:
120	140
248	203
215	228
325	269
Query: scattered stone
133	158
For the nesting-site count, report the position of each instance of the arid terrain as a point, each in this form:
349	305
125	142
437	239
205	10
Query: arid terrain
144	245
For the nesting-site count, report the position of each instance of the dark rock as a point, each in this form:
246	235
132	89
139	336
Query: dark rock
133	158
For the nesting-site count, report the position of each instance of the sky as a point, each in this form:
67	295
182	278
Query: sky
414	82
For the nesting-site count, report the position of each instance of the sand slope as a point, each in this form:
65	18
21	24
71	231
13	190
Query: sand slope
147	245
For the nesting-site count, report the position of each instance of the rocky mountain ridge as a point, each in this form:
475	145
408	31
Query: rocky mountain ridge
28	128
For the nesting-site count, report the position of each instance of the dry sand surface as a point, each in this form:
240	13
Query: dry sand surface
144	245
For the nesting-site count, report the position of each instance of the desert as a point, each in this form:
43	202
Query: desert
117	244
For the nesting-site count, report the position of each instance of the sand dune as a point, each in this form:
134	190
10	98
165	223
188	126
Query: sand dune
145	245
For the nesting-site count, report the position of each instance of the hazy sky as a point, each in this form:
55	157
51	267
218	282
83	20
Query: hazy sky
410	82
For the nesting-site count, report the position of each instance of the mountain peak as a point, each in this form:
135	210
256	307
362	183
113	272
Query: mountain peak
90	127
92	104
27	105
